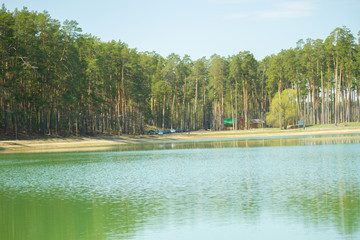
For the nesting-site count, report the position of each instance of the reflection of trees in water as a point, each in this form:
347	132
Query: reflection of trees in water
32	216
234	143
338	209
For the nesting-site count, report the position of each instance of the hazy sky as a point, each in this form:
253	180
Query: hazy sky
204	27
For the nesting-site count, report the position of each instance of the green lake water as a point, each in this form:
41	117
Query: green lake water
265	188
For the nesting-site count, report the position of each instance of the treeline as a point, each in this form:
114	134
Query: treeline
55	80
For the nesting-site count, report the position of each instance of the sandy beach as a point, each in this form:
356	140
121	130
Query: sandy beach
53	144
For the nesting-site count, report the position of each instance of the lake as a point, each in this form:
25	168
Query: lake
262	188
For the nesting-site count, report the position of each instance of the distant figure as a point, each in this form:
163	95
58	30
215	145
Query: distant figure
304	126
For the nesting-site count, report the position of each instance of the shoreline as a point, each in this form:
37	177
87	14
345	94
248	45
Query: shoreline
73	144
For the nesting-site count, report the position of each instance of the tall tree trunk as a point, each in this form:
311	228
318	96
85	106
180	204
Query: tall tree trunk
57	122
313	115
49	125
123	100
236	106
184	103
308	114
232	109
117	109
329	106
14	119
344	101
189	114
279	91
204	106
222	104
196	104
6	117
341	95
142	123
102	120
76	126
213	116
358	103
163	111
322	100
262	97
336	96
172	111
304	110
217	115
349	105
27	116
298	106
69	126
245	104
153	113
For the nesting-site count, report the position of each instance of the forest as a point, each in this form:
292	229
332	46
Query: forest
55	80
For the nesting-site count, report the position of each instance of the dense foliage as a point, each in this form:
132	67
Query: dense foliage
55	80
282	108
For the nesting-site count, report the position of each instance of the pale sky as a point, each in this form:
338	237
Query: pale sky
204	27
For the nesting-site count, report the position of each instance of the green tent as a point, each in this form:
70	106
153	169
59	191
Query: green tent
228	121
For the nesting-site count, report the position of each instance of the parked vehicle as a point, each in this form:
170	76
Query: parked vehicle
151	132
172	131
160	132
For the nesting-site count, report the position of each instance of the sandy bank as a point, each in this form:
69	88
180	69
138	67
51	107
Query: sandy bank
101	143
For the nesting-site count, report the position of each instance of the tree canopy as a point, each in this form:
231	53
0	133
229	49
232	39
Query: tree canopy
56	80
282	108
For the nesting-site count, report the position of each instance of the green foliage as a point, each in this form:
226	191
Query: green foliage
282	108
56	80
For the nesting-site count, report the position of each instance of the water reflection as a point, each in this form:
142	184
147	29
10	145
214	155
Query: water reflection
244	142
311	191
